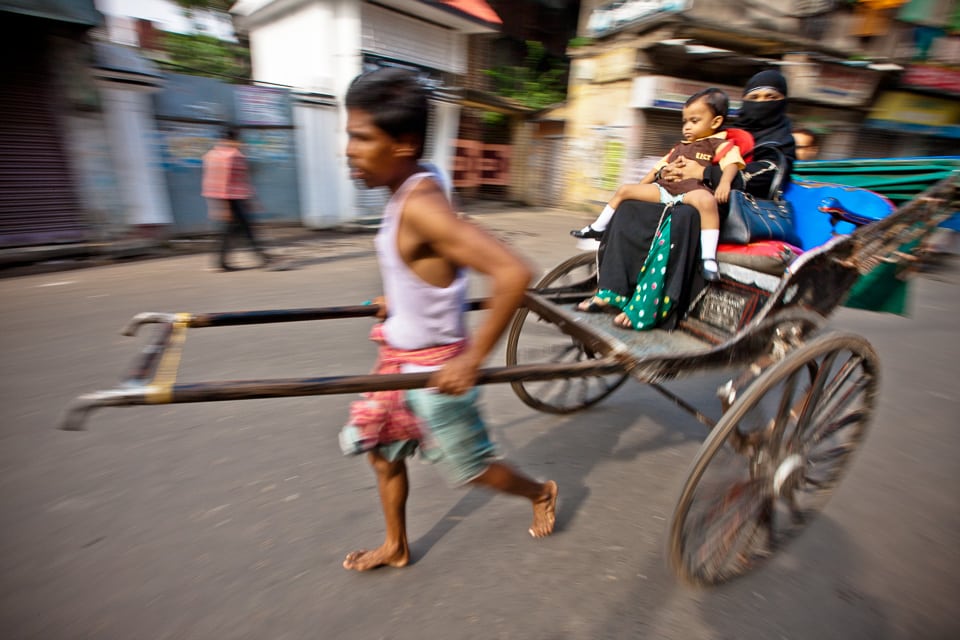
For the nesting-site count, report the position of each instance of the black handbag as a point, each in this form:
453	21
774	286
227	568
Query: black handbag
752	219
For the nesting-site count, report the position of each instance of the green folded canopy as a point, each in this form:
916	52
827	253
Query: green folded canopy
899	179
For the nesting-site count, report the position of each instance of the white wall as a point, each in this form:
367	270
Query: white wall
447	123
317	47
314	47
322	198
297	49
128	113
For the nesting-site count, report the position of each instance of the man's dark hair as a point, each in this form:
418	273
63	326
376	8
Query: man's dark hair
395	100
715	99
231	132
814	138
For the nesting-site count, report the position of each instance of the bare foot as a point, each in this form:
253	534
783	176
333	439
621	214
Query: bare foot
545	511
623	321
365	560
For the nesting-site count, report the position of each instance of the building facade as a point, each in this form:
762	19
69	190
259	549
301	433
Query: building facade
318	46
875	78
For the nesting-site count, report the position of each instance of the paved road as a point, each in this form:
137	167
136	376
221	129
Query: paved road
230	520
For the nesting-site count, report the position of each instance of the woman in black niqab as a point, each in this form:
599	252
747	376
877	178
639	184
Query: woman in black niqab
767	119
627	241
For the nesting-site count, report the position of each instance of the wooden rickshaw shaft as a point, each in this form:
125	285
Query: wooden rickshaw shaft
152	378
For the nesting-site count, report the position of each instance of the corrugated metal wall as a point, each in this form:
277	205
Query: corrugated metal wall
38	200
191	114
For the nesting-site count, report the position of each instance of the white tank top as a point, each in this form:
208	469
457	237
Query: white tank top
421	315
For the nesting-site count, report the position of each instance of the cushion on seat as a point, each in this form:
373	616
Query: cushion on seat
767	256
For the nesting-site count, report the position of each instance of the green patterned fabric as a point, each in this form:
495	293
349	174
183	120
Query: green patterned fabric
649	305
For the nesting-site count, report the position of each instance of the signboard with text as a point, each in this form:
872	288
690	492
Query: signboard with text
666	92
831	83
263	106
932	77
913	113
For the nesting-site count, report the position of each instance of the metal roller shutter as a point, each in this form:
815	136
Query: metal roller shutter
38	201
661	131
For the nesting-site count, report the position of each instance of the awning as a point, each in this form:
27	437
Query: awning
122	64
80	12
477	9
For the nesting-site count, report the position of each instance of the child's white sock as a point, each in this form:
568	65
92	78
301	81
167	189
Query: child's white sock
602	220
708	247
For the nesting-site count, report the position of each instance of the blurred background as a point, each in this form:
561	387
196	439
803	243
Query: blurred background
106	106
230	520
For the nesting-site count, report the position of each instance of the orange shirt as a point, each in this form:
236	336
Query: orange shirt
225	174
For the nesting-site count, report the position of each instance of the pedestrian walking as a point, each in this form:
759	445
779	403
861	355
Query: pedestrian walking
227	188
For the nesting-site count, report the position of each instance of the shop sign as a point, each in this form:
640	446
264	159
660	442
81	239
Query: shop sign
263	106
618	15
910	112
923	76
666	92
831	84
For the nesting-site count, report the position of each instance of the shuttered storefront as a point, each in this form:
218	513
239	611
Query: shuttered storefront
661	132
38	201
551	171
393	38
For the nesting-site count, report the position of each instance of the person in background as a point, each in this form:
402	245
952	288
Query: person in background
227	188
424	250
808	144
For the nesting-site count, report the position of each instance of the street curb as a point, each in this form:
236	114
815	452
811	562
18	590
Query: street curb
18	261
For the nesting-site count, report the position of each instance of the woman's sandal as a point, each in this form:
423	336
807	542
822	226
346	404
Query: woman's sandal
593	304
622	321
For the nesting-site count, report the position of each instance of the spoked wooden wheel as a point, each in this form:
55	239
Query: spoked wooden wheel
773	460
533	340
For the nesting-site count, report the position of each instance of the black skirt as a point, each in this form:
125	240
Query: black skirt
625	245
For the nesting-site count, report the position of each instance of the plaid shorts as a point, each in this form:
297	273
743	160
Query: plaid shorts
457	437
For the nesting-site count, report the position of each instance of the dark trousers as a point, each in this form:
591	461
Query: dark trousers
239	224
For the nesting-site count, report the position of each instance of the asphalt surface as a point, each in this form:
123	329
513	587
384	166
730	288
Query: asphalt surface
230	520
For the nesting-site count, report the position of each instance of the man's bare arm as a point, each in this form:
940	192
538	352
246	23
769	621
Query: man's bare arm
461	243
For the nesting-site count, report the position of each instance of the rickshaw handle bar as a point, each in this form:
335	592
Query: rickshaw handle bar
237	318
283	388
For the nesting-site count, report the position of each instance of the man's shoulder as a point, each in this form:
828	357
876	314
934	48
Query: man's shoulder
427	199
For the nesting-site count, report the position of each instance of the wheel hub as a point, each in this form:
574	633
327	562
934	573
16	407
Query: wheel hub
787	471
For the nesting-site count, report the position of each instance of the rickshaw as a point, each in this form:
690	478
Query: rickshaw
791	419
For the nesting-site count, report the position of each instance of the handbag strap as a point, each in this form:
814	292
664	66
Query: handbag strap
663	215
780	168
